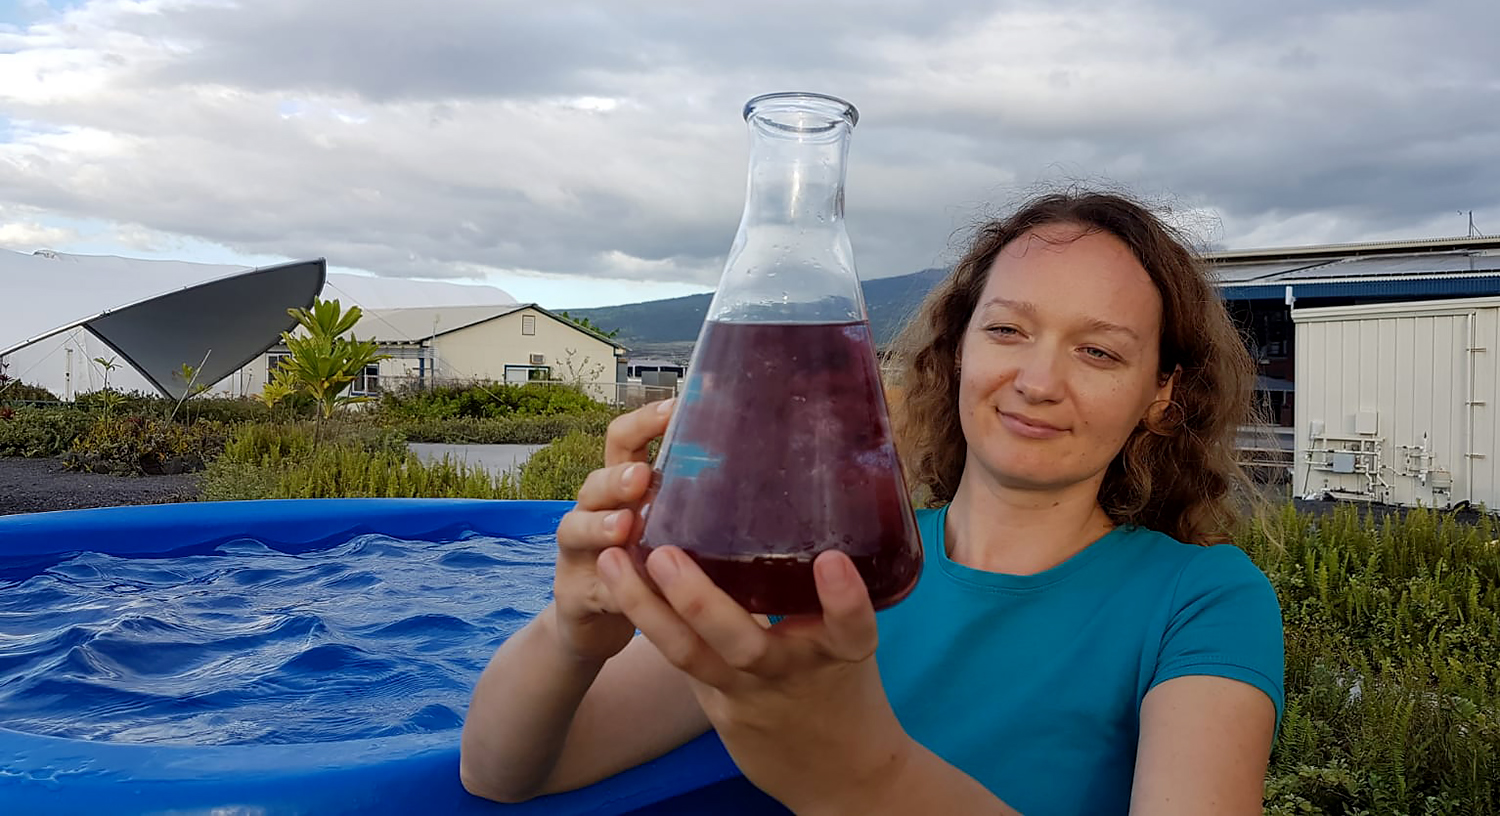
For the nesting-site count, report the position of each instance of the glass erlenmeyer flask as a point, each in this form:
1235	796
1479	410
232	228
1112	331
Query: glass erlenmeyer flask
780	446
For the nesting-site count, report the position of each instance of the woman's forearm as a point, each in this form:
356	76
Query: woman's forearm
913	780
521	712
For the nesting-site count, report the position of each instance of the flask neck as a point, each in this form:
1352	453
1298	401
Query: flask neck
791	260
799	147
795	183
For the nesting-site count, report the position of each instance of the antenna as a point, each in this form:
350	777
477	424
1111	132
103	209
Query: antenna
1473	233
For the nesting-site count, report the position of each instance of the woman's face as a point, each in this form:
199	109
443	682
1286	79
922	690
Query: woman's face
1059	362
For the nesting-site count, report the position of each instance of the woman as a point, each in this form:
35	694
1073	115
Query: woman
1076	643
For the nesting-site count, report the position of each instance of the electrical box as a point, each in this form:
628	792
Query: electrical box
1342	462
1365	423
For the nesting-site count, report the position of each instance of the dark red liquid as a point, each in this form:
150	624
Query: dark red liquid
782	449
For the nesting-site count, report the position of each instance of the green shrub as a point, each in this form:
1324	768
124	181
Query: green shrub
558	470
348	471
262	462
227	480
145	445
40	432
1393	683
14	391
489	400
268	444
272	444
122	402
518	430
228	410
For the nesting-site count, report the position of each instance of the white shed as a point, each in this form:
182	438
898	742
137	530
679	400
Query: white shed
1396	402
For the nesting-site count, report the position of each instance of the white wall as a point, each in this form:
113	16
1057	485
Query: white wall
1408	369
482	351
46	363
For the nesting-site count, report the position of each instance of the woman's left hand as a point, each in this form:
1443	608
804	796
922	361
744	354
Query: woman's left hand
799	706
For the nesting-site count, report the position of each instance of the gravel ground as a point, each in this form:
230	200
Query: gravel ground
37	485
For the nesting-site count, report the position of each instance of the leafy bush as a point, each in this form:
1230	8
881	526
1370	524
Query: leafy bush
264	463
490	400
40	432
344	470
516	430
228	410
122	402
272	444
226	480
16	391
145	446
1393	687
558	470
348	471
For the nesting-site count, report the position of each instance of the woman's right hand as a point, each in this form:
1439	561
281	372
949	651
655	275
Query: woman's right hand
588	621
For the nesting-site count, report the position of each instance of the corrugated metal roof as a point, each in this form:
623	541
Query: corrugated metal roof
1234	273
1466	244
1419	286
1400	265
1383	273
419	323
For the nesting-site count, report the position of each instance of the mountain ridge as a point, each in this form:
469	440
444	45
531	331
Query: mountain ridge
671	322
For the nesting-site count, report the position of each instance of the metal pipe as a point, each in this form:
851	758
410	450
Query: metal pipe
1471	403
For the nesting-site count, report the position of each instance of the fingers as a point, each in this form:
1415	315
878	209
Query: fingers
850	630
659	622
630	434
588	532
721	623
610	488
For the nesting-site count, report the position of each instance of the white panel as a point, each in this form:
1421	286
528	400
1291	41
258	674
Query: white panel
1447	396
1486	419
1368	363
1422	381
1349	371
1306	384
1394	424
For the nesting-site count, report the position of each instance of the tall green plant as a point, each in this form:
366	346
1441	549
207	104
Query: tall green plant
323	362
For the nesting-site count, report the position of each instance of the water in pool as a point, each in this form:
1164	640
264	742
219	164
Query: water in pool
246	643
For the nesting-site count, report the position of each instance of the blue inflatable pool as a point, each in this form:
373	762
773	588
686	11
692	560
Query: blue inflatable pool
408	773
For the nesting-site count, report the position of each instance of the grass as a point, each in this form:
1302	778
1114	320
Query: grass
264	462
1393	663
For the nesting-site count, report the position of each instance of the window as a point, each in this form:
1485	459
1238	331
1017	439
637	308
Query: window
272	362
528	324
368	381
517	374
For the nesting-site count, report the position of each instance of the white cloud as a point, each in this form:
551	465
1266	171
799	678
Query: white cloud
603	140
29	236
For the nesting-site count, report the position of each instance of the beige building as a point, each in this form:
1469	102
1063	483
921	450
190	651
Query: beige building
514	343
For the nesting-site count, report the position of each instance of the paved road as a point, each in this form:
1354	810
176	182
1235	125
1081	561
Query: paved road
495	458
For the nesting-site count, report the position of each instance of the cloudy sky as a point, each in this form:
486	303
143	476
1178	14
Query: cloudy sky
588	153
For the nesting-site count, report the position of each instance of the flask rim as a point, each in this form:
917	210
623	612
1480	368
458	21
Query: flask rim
844	108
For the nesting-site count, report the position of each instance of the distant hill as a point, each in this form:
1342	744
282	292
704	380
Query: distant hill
674	321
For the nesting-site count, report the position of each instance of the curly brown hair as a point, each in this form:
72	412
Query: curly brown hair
1181	480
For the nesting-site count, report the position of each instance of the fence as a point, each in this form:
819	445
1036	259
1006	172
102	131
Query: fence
1268	452
626	395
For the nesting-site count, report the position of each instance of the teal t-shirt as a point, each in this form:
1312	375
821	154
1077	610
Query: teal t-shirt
1032	684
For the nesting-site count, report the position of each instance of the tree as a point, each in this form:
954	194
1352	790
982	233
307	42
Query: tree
322	361
587	324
